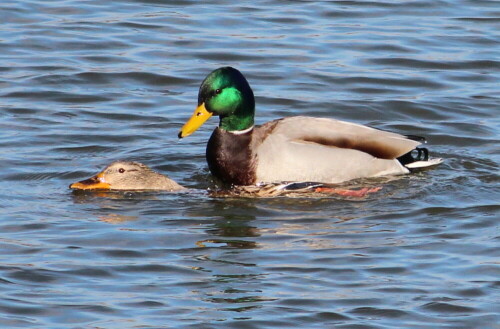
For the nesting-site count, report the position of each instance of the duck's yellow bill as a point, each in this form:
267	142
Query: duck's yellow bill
93	183
197	119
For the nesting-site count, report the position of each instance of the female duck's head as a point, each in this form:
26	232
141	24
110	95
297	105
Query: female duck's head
127	175
224	92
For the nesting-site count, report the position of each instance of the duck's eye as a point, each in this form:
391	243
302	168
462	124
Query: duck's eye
217	91
121	170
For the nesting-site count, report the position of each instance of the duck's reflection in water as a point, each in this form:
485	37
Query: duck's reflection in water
231	233
235	280
117	219
225	240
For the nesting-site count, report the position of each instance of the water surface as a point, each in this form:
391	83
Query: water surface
86	83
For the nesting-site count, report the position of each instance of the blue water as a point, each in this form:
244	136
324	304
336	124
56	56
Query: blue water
83	83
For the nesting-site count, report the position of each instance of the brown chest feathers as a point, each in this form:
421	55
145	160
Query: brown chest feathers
230	157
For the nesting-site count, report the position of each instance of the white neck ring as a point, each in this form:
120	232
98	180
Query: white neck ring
241	132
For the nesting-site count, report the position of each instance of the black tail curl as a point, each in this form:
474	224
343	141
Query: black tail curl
418	154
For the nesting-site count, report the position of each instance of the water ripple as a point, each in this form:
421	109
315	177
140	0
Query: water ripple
86	83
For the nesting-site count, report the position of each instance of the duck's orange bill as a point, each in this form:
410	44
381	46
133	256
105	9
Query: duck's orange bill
93	183
197	119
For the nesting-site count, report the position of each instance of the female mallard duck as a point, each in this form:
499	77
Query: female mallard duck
295	148
134	176
127	175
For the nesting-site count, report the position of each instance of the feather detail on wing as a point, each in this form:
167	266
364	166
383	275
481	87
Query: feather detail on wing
326	150
346	135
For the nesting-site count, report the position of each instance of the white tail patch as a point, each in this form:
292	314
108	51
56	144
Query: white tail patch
423	164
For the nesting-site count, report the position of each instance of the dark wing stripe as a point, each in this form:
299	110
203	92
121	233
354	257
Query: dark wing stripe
374	148
416	138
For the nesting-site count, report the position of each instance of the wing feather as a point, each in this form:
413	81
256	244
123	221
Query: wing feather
341	134
326	150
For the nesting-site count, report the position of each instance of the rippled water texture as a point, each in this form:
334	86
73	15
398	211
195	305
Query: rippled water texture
83	83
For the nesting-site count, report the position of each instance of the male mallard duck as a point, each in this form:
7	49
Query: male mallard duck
295	148
127	175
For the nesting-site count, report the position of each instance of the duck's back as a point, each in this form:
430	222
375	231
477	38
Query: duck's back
326	150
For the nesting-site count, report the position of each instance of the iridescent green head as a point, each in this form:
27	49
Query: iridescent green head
224	92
